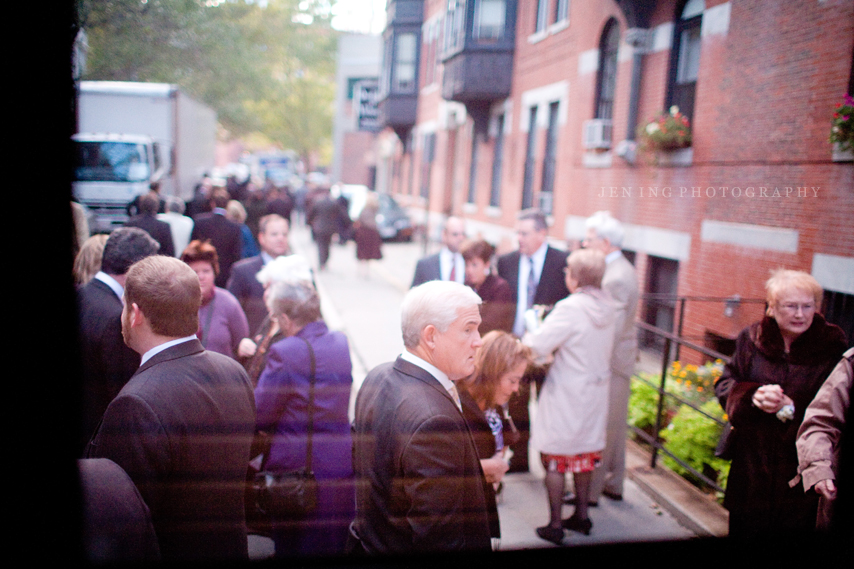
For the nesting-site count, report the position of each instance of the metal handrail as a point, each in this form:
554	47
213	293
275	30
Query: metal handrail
654	440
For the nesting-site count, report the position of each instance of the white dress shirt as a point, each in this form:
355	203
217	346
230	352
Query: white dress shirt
157	349
112	283
448	260
440	376
538	259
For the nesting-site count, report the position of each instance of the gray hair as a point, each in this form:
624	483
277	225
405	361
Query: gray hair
287	268
434	302
175	205
607	227
536	215
296	300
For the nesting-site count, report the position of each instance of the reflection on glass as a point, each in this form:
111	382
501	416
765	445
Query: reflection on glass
111	162
489	19
405	62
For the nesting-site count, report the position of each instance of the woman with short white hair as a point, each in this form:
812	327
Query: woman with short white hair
309	363
778	367
253	351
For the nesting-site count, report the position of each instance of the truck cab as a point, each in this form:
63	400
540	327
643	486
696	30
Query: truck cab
110	171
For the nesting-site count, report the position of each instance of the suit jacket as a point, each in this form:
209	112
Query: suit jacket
225	236
420	484
325	217
116	522
552	285
620	281
181	429
248	291
427	269
107	362
159	230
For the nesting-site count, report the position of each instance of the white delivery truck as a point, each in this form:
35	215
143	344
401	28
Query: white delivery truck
133	134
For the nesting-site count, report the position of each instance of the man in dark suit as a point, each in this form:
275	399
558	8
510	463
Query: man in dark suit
223	234
421	483
324	217
273	238
182	426
535	275
107	362
448	263
147	220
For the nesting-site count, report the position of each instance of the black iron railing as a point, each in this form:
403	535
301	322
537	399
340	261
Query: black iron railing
672	347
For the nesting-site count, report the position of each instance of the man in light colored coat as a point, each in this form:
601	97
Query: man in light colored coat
606	234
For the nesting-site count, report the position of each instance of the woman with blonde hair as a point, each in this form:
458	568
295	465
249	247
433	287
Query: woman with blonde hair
779	365
88	260
237	213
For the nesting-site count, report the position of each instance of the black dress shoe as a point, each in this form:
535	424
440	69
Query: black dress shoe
577	524
612	495
572	500
548	533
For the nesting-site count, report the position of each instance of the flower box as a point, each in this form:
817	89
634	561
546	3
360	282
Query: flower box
842	130
674	158
667	137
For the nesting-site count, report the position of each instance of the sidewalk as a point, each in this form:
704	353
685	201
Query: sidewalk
658	504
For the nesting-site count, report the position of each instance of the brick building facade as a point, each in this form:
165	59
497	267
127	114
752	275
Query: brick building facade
760	187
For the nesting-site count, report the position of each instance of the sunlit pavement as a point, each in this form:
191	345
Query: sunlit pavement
367	309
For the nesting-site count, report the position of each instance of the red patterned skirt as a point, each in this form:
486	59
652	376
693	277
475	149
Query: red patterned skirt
578	463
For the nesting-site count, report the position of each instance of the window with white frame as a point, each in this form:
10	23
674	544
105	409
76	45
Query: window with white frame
561	10
542	16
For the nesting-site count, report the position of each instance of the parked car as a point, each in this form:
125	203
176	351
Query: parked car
393	222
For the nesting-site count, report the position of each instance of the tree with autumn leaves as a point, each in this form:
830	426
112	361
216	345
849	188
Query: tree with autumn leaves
266	67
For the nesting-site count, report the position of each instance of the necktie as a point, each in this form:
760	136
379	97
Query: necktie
455	395
532	284
453	276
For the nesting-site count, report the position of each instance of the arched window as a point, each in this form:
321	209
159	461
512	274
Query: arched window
685	57
606	81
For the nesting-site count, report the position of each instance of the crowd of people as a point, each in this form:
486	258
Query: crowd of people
206	367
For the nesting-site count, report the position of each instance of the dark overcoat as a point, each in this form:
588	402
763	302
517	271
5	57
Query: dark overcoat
764	457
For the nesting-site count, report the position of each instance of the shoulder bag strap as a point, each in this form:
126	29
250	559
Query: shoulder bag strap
308	450
207	325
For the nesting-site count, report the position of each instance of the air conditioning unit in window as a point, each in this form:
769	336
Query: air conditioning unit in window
597	134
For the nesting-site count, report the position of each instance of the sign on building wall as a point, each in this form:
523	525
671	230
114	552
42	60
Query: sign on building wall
365	93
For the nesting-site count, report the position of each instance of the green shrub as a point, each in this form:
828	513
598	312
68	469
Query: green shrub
643	403
693	437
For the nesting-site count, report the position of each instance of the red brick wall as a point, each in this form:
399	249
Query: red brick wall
765	94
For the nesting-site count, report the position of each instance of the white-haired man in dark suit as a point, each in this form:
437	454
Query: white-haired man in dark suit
421	484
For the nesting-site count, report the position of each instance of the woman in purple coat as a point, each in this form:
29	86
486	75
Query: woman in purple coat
282	398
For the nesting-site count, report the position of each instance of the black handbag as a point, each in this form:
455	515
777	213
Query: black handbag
291	494
726	442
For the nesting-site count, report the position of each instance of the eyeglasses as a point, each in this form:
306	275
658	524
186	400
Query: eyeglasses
792	308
